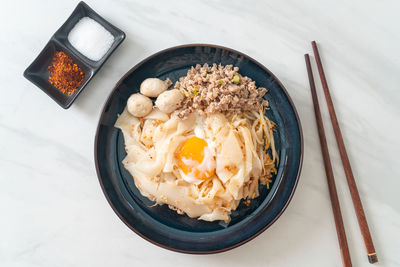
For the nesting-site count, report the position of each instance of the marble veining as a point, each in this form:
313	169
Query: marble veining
53	210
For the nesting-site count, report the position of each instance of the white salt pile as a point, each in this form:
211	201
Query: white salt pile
90	38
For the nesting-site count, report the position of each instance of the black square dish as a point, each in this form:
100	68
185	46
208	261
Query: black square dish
38	72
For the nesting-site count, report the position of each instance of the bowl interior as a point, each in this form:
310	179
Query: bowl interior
164	226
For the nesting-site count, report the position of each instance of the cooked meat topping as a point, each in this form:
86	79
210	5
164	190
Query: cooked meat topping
217	88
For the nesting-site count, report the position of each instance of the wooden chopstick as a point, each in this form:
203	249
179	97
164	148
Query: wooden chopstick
341	234
362	221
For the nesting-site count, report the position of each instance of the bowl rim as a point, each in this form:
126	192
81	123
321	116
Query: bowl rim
261	230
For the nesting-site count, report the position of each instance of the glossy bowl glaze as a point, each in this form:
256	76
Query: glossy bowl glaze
159	224
38	72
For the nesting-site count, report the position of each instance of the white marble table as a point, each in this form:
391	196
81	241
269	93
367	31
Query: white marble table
53	212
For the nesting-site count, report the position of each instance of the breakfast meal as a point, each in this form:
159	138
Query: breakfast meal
203	146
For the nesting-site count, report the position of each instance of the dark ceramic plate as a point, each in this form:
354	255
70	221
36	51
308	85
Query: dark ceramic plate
37	72
159	224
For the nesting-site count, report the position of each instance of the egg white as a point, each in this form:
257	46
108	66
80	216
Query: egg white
208	163
209	154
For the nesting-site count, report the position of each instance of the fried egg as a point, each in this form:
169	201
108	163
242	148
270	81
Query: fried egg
196	160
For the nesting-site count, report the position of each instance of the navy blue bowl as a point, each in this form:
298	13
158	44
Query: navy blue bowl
159	224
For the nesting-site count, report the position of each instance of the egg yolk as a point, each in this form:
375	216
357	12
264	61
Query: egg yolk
191	155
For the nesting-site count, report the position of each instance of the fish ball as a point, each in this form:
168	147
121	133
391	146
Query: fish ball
139	105
169	100
153	87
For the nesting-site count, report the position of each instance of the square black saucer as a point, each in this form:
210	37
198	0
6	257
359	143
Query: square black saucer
38	73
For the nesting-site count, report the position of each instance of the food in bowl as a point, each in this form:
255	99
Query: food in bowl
205	146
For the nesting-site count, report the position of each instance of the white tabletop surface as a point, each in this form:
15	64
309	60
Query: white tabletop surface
53	212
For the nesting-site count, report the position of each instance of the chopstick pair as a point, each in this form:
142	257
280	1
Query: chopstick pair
362	221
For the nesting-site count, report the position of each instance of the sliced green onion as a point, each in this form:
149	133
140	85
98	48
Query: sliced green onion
236	79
